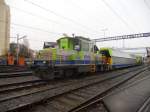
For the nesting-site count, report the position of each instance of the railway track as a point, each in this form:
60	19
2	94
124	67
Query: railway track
34	79
74	100
97	104
80	89
14	75
9	69
21	85
10	74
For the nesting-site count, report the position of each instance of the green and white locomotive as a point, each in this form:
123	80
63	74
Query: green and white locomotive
74	55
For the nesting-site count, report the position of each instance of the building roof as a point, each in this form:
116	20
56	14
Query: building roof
49	44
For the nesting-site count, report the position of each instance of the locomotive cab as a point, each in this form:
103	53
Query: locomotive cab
77	43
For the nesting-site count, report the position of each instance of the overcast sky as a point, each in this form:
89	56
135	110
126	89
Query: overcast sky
47	20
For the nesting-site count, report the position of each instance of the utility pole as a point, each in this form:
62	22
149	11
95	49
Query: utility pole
18	50
123	43
104	30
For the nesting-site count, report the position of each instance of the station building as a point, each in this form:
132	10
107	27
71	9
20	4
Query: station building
4	28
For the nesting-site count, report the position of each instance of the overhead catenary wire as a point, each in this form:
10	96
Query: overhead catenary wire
33	28
84	11
73	3
132	21
146	3
34	40
61	16
116	14
43	18
35	15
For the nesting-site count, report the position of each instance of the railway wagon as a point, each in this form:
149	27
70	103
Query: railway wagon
74	55
115	58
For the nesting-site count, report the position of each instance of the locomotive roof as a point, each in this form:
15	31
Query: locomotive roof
49	44
77	37
83	38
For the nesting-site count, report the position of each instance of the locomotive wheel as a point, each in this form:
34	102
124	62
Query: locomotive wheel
44	74
102	68
59	74
69	73
48	75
